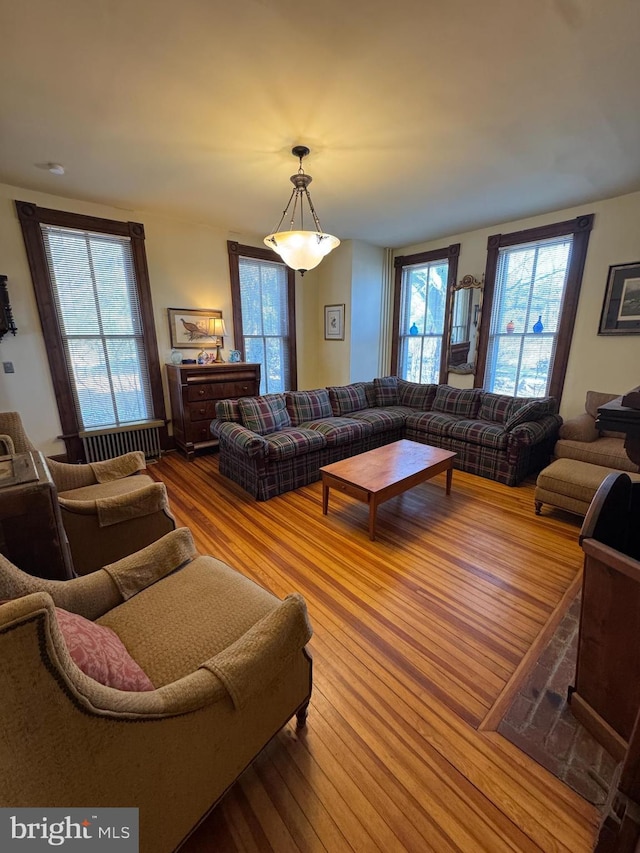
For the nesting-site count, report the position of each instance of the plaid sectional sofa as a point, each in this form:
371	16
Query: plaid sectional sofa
278	442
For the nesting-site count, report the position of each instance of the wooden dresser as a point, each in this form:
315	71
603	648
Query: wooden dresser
194	390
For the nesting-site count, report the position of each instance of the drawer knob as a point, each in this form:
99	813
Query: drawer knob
201	392
245	387
202	411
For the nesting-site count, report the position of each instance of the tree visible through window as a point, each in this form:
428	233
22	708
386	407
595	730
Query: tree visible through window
262	290
94	291
533	291
91	283
421	314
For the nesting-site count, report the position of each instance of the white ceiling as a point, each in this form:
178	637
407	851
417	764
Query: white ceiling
424	118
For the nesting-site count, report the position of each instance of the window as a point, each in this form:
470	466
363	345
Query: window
533	282
263	295
93	296
422	304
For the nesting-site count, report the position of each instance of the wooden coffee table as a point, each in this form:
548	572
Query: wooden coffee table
377	475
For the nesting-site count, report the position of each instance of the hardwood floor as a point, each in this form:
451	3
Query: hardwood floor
417	636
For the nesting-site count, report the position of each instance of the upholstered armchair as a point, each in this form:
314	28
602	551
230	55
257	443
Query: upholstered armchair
106	512
226	664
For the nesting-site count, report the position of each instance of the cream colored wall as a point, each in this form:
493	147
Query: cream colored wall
188	268
596	362
332	358
366	310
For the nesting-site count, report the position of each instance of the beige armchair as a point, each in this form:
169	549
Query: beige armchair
227	660
106	512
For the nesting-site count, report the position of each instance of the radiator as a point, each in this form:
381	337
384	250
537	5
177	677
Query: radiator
105	444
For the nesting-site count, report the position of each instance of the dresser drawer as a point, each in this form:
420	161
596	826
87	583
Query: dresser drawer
206	410
199	431
220	390
195	389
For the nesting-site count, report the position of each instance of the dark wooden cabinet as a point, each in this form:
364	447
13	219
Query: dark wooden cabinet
194	390
31	533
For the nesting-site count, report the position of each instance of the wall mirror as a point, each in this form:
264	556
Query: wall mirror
466	310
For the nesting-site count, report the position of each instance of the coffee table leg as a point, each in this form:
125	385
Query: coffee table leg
373	507
449	478
325	498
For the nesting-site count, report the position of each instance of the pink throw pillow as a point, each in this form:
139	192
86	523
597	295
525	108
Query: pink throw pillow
100	653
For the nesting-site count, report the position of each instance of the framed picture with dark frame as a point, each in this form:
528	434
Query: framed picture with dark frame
191	327
621	308
334	322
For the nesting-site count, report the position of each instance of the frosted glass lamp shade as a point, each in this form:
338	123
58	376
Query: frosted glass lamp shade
302	250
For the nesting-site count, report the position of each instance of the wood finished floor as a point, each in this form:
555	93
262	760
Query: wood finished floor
416	636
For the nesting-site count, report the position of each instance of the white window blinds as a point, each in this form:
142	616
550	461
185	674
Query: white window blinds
527	306
96	300
265	321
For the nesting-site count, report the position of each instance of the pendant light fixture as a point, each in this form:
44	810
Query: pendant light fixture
299	249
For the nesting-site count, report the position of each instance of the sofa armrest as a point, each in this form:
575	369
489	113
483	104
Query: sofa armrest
7	447
117	508
137	571
256	658
239	439
580	428
535	432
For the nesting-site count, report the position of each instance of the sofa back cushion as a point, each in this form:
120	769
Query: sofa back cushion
264	414
527	409
462	402
228	410
370	393
416	395
495	408
594	400
308	405
347	398
386	388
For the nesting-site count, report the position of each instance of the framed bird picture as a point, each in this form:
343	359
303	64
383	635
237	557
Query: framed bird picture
192	327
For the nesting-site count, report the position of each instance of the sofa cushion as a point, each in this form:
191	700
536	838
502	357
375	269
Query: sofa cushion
463	402
580	428
228	410
339	431
607	452
428	424
495	408
381	420
482	433
386	388
532	410
370	393
264	414
100	653
594	400
347	398
416	395
308	405
293	441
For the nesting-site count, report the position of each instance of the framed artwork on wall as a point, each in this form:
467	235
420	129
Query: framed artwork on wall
193	327
621	308
334	322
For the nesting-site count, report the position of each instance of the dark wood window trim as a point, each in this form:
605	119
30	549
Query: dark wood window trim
580	227
31	217
448	253
236	251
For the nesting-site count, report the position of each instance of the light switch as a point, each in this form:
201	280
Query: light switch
8	366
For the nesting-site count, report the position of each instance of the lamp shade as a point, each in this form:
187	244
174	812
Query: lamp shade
302	250
217	328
